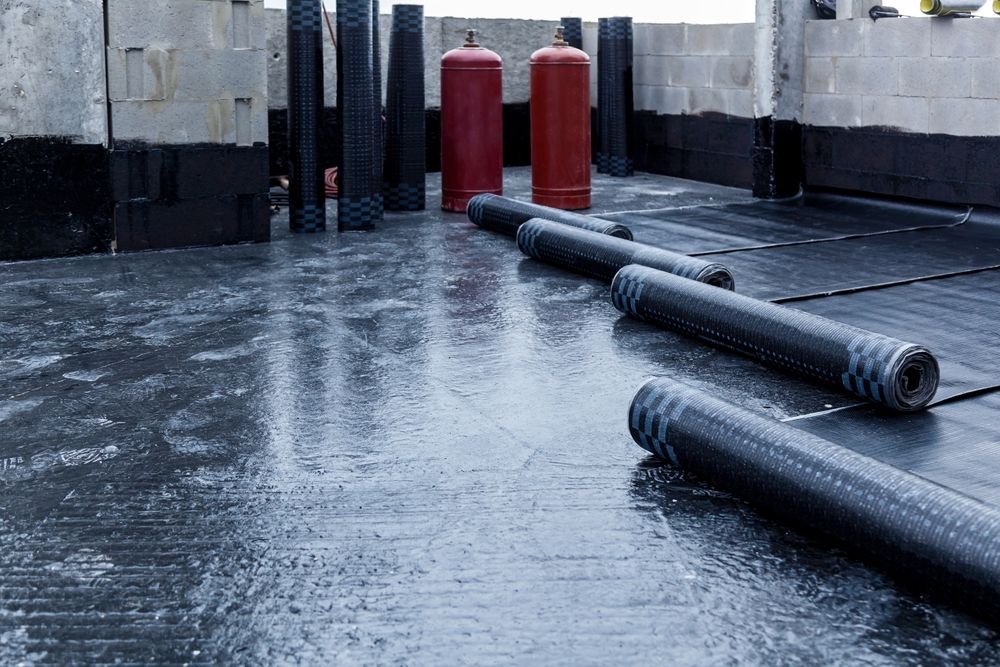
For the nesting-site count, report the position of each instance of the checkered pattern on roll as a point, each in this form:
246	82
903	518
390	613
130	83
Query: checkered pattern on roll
620	166
405	197
308	218
356	213
304	15
353	13
870	361
625	293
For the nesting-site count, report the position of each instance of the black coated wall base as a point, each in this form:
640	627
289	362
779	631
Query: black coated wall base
516	138
714	148
53	198
777	158
939	167
175	196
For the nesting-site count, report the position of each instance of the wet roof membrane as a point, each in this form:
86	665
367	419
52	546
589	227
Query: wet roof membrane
410	446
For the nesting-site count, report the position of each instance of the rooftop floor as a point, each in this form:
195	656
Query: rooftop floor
407	446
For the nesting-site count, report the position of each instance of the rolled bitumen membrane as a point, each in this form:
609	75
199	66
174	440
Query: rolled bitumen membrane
602	256
378	145
403	184
358	199
901	376
505	215
604	57
933	536
620	107
573	31
307	193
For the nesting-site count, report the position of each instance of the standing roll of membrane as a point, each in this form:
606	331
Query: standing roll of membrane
573	31
620	104
931	535
403	185
306	189
899	375
604	57
378	152
505	215
356	204
602	256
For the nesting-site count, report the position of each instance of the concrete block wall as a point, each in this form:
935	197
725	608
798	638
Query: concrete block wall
513	40
187	71
911	74
53	129
905	107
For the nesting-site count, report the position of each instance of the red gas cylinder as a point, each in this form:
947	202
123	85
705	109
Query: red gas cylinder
560	126
471	124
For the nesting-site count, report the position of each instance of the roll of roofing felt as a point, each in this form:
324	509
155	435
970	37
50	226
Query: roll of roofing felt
943	7
935	537
357	205
902	376
505	215
405	151
602	256
307	195
573	31
604	57
378	144
620	97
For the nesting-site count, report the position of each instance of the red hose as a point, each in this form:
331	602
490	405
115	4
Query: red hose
330	179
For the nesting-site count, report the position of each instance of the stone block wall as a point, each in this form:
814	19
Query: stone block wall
694	99
187	82
53	129
905	106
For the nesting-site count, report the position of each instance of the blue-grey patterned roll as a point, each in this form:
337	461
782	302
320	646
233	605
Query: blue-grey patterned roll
573	31
935	537
306	192
902	376
505	215
403	184
605	56
359	200
601	256
378	142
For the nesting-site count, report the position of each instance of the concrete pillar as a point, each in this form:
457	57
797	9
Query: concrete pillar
779	56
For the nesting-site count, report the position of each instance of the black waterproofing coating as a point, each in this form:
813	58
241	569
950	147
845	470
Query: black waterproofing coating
602	256
813	217
358	199
902	376
306	190
505	215
938	538
403	185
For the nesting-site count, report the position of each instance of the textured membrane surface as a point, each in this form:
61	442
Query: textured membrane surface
404	447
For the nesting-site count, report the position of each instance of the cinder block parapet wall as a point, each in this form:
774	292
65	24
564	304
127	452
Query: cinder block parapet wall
694	99
53	129
907	107
187	82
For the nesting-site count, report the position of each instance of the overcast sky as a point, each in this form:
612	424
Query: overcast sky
644	11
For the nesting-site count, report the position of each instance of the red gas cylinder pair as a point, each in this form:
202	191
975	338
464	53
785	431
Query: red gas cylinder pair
472	125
